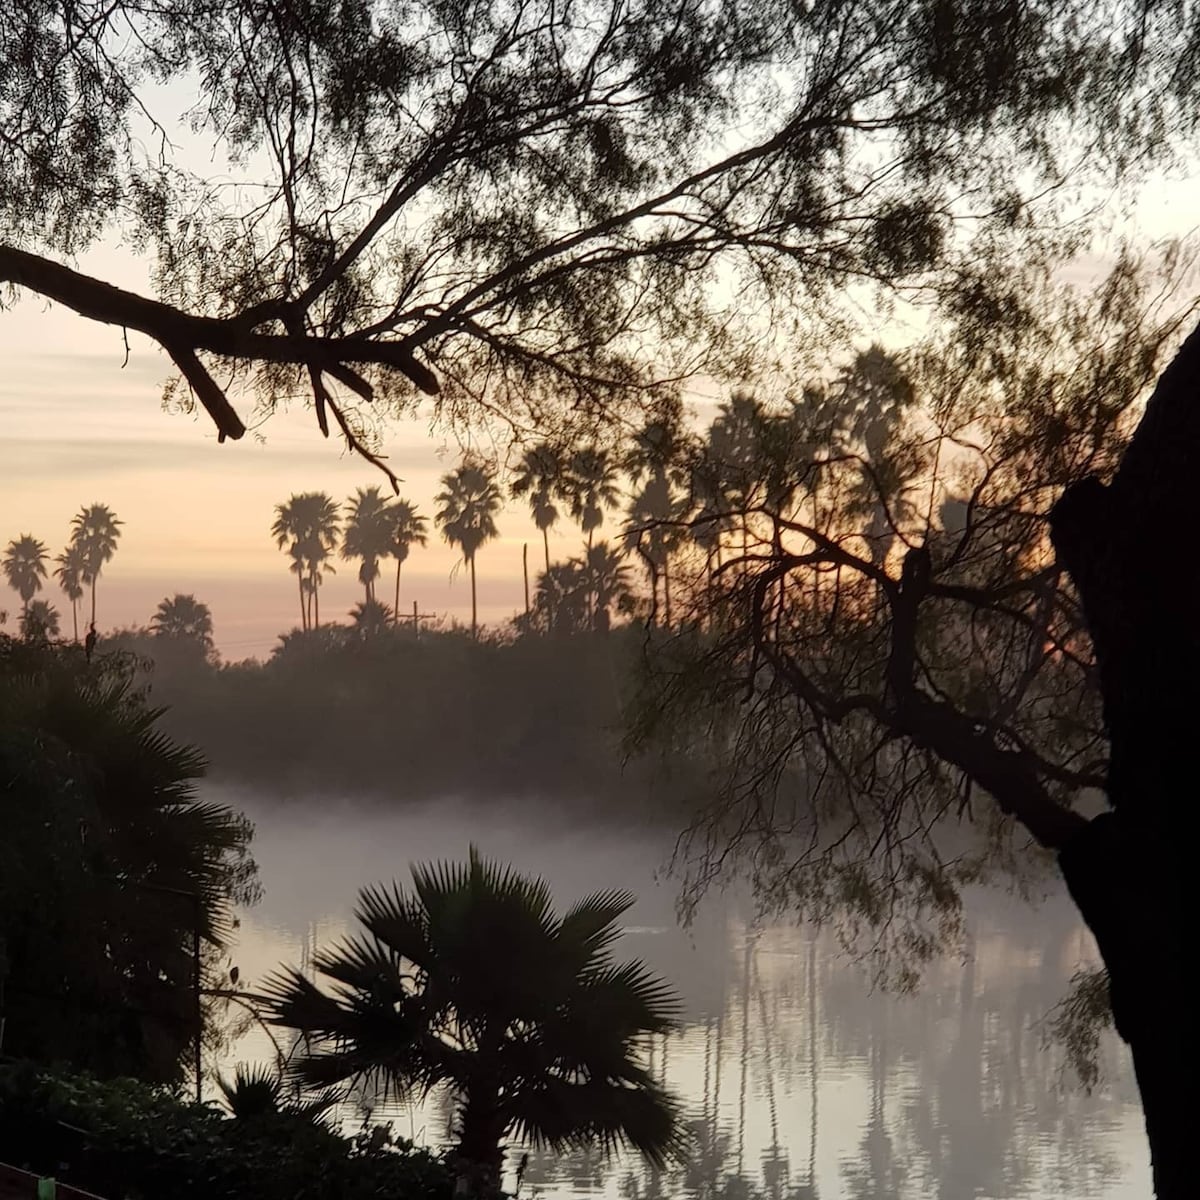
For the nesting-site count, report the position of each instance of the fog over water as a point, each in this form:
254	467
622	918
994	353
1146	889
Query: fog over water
799	1079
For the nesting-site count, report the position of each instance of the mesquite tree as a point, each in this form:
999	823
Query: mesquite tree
925	661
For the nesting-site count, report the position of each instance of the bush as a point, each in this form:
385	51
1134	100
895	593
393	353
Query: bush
126	1140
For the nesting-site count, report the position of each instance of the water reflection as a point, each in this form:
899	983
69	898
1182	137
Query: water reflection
800	1080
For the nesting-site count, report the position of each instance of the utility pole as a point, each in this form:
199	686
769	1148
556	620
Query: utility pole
417	618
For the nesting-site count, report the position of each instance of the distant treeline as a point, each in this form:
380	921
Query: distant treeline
400	718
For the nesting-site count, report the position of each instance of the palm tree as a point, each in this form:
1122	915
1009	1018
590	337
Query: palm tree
469	502
607	583
258	1093
39	621
370	617
182	616
591	487
307	527
96	531
69	573
368	535
471	982
540	477
408	529
25	567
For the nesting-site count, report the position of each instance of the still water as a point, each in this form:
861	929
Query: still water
800	1080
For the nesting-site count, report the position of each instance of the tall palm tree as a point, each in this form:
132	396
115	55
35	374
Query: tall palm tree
591	487
307	527
96	530
540	477
368	535
39	621
183	617
69	573
25	567
469	502
471	982
408	529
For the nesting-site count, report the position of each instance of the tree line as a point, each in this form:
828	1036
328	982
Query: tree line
95	531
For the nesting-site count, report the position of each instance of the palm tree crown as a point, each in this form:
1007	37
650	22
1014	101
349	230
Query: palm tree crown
183	616
471	981
69	571
408	529
469	501
307	527
25	567
39	621
96	530
591	487
540	476
368	535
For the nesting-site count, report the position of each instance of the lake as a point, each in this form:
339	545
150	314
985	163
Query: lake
799	1078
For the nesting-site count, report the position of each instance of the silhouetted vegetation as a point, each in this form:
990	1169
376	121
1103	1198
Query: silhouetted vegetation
110	868
366	709
122	1138
470	982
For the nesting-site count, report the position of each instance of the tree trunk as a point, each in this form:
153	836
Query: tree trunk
474	621
546	546
1126	548
525	572
666	578
479	1151
75	618
94	578
303	604
316	600
396	607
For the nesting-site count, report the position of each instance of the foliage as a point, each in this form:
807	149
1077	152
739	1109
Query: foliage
108	866
39	621
368	536
536	213
1077	1023
878	646
471	981
469	501
125	1139
95	530
25	566
306	526
184	618
522	717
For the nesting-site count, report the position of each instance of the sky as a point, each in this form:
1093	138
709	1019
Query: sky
80	425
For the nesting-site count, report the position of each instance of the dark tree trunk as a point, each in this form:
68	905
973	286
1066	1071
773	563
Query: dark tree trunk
479	1152
303	603
474	611
1128	549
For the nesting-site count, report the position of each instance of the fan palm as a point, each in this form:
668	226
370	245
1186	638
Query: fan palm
540	477
258	1092
25	567
469	502
368	535
104	886
307	527
471	981
591	487
184	617
408	529
69	571
96	530
607	578
39	620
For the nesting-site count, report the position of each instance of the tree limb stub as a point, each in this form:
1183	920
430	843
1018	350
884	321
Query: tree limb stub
183	334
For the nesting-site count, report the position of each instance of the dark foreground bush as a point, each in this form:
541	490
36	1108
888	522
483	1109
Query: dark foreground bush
127	1141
